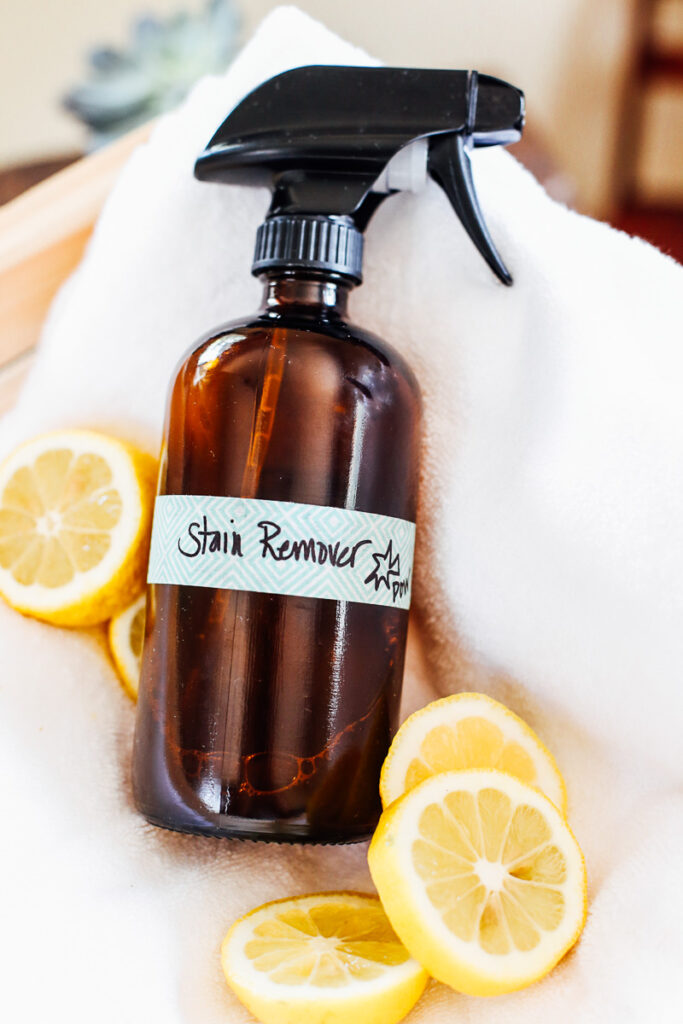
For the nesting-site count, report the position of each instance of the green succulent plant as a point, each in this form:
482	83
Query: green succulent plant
125	88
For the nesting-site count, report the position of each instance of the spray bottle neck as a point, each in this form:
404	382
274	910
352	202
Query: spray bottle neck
309	243
308	295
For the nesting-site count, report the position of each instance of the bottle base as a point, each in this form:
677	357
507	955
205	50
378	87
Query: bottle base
263	831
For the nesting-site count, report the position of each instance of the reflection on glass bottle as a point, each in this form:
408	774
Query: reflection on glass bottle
267	715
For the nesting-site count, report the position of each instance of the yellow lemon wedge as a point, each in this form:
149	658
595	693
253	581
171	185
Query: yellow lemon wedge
75	517
464	732
126	634
329	958
481	878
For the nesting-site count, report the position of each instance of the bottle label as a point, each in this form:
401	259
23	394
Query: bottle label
281	547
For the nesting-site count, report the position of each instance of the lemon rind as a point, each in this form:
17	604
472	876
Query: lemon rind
96	595
119	645
388	997
452	709
417	923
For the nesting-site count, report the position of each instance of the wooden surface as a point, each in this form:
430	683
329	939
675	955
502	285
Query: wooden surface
43	234
18	178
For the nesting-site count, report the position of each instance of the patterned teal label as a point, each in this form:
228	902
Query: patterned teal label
280	547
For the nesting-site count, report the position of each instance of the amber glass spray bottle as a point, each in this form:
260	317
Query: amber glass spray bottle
281	563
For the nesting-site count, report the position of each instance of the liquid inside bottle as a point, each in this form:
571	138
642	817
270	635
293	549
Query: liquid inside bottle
267	715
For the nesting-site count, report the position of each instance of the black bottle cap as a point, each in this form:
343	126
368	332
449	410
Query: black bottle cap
324	139
332	245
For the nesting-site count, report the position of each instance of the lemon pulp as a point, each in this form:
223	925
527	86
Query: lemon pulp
481	878
75	514
56	517
126	637
468	731
323	959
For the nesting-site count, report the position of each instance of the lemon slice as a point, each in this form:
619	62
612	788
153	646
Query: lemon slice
75	515
481	878
468	731
126	634
331	958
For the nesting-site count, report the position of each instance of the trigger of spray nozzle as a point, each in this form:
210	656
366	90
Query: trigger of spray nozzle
333	142
406	171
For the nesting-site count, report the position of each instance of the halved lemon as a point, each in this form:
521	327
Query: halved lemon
75	516
468	731
481	879
126	634
330	958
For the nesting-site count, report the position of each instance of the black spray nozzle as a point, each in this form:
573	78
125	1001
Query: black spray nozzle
335	141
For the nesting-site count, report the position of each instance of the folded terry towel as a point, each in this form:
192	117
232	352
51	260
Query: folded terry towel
549	573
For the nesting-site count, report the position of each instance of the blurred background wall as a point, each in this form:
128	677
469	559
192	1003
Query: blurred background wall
603	81
572	57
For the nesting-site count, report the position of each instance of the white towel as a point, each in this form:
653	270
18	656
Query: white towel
549	573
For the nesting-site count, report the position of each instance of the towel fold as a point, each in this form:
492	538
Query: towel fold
549	573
